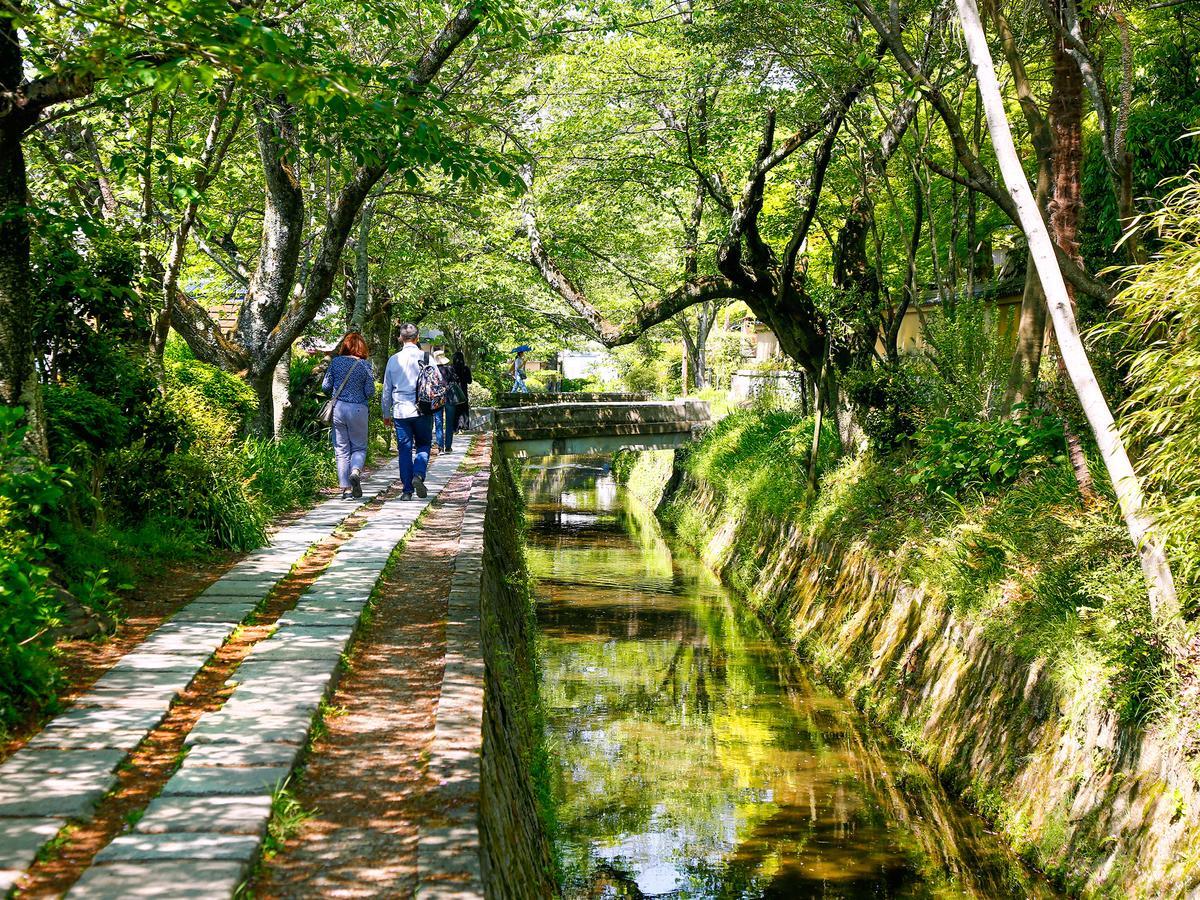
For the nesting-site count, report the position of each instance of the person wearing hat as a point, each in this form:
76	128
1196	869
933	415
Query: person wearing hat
518	373
444	418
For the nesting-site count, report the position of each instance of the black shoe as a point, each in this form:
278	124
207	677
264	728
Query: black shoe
406	496
356	483
419	487
345	495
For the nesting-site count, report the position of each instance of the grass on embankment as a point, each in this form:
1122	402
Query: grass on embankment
1045	577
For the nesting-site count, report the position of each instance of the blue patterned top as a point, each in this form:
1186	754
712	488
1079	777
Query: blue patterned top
361	386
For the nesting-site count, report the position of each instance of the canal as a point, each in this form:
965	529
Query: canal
693	757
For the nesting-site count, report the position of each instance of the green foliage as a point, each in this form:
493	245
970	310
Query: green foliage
651	368
1160	335
228	403
759	459
964	365
305	398
956	456
29	491
579	385
892	400
286	473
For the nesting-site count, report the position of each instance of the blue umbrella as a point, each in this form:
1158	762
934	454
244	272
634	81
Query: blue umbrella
524	348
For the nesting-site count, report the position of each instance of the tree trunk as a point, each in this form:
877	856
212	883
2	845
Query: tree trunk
18	368
282	229
18	365
1066	126
707	314
1031	329
362	269
1164	603
1031	338
820	401
271	389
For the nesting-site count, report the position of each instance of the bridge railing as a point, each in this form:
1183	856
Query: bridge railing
509	400
559	428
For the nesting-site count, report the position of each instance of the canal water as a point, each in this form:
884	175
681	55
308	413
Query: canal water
693	757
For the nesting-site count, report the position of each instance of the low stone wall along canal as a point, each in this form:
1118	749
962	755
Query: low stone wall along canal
692	756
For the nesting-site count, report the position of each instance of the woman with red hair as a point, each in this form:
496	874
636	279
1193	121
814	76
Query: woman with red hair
351	383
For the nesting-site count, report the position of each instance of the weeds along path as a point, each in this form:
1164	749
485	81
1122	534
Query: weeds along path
370	785
91	771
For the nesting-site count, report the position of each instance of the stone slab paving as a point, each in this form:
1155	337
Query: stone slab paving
163	879
214	809
63	771
207	815
448	864
25	837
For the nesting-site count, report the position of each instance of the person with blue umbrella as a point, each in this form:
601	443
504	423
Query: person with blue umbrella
518	369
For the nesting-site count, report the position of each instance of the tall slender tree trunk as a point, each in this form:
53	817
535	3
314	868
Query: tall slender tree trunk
18	365
1164	602
1027	352
706	315
1066	126
1031	327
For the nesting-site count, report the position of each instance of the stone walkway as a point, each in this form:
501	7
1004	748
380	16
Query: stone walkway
401	757
200	836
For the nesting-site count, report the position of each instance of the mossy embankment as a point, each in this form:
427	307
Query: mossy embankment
514	813
1000	636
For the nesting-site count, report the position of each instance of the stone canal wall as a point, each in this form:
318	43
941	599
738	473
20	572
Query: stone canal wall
516	853
1108	809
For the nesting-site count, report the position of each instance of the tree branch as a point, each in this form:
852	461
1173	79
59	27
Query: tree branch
610	334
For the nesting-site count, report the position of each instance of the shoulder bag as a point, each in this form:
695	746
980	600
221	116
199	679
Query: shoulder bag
327	409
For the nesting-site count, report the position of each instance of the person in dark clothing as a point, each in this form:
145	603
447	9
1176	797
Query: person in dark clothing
462	373
444	419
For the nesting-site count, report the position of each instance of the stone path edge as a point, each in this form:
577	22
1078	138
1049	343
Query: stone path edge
448	855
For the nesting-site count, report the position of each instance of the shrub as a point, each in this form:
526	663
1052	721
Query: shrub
579	385
1161	333
959	455
965	364
305	397
288	472
892	404
219	395
29	491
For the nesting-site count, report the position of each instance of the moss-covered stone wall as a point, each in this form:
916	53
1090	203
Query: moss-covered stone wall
517	858
1106	809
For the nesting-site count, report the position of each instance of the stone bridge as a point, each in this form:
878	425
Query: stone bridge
578	424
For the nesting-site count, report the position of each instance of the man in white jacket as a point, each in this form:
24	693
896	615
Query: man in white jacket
414	432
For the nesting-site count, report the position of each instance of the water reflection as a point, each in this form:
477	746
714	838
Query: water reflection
695	759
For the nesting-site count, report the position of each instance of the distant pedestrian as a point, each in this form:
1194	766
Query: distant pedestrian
445	418
518	374
414	429
351	384
462	374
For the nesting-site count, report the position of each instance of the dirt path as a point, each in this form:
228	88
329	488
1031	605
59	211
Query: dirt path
365	781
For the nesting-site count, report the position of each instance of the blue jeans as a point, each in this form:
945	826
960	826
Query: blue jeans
415	434
519	386
443	426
